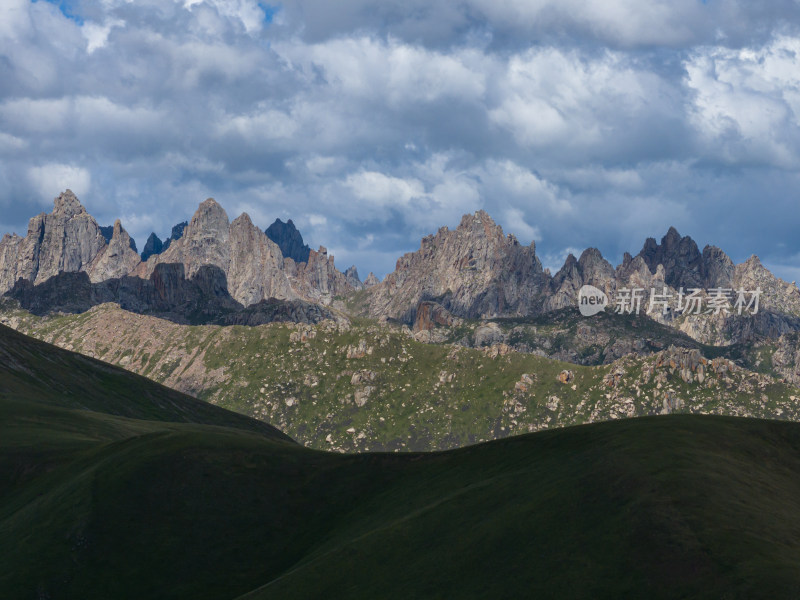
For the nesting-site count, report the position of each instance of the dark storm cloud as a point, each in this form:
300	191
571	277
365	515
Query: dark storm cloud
373	123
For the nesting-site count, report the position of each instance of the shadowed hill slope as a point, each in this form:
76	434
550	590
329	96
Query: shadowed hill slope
31	370
98	505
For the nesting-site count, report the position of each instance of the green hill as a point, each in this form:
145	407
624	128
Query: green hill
114	487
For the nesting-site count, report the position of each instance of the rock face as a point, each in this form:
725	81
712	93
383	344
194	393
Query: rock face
167	294
252	264
473	271
206	241
682	261
289	240
9	261
108	233
255	271
177	233
66	240
786	357
318	280
777	295
118	258
351	274
153	246
590	269
684	265
430	314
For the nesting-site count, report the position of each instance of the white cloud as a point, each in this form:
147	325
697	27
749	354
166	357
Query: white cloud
384	191
262	124
747	101
14	19
51	179
246	12
520	186
10	143
369	124
398	73
97	35
552	98
614	23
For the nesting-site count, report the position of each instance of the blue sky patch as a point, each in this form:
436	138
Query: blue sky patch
67	9
269	11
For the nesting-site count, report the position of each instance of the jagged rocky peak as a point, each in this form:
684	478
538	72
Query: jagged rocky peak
319	280
177	230
371	280
718	268
475	269
209	217
116	259
590	269
153	246
108	233
777	295
205	241
66	240
352	273
289	240
66	204
176	234
683	263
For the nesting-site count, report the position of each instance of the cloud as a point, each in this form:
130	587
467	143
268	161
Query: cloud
401	73
45	178
746	102
374	123
615	23
97	35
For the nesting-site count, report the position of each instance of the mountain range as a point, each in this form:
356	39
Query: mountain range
469	339
474	271
152	450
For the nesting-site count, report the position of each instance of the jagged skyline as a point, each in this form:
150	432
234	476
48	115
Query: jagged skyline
371	126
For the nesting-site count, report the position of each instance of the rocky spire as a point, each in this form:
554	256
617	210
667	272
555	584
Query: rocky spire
153	246
67	205
255	271
176	234
116	259
683	263
351	274
66	240
289	240
474	270
590	269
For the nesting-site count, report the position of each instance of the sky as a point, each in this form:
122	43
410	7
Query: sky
373	123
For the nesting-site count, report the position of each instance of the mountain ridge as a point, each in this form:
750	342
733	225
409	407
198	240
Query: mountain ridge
472	271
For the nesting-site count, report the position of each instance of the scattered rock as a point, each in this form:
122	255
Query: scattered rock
565	376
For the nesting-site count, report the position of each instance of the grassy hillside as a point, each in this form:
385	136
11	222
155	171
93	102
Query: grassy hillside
374	387
98	505
30	370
